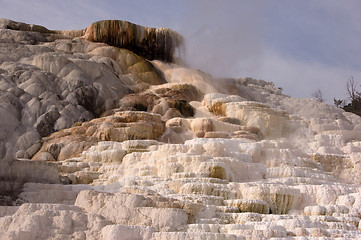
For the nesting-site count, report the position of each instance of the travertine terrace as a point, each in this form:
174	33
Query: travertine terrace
105	134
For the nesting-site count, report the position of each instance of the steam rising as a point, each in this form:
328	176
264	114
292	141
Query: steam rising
301	46
224	39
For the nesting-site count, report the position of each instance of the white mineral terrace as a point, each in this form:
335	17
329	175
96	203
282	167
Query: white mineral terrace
108	145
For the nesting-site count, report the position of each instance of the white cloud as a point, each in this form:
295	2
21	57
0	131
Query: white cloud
301	78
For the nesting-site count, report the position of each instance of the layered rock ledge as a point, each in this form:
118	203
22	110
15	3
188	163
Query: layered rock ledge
151	43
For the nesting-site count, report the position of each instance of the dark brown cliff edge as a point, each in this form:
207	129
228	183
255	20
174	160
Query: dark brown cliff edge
151	43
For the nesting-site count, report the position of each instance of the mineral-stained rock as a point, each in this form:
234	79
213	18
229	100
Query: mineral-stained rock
150	43
9	24
121	126
25	32
272	123
245	205
138	73
161	98
181	91
64	147
128	125
139	102
280	199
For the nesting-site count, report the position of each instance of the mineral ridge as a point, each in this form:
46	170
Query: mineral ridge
105	134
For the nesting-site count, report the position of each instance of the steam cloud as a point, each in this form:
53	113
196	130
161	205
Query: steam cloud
224	39
301	46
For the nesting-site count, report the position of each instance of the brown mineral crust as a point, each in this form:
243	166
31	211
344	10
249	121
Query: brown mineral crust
182	106
185	92
151	43
121	126
164	98
138	102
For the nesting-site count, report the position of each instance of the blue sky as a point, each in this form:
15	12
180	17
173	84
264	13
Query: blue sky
300	45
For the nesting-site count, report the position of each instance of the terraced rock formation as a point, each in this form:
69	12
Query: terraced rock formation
102	142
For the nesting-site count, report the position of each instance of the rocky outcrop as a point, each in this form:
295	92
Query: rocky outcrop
168	100
151	43
48	92
9	24
141	74
122	126
46	87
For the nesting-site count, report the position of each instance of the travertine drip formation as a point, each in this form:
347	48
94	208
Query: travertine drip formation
98	140
151	43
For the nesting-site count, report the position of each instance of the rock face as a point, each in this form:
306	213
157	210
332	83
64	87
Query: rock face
121	126
151	43
99	142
